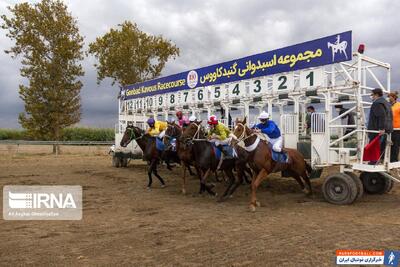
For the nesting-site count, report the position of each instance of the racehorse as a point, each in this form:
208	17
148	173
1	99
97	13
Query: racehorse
260	160
150	153
174	131
205	159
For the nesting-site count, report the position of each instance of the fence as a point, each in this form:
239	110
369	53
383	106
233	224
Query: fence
46	147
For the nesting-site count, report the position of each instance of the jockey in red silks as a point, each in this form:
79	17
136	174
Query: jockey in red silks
183	121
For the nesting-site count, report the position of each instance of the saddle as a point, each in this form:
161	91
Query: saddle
160	144
227	150
279	157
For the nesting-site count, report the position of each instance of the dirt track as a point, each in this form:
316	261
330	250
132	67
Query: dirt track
125	224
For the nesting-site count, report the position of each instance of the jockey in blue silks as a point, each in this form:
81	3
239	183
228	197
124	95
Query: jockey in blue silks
271	130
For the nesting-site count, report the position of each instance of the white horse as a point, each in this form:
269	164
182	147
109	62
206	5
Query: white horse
338	47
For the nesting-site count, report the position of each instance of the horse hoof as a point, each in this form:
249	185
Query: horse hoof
258	204
252	208
148	188
163	186
183	191
221	199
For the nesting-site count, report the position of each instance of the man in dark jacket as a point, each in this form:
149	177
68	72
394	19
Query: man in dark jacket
380	117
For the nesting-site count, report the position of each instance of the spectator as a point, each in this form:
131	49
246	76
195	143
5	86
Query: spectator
349	116
310	110
380	117
394	151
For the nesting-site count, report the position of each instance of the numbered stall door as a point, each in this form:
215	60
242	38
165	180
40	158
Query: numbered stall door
217	93
201	95
161	101
186	97
139	104
172	100
130	106
237	90
312	78
258	86
149	103
283	82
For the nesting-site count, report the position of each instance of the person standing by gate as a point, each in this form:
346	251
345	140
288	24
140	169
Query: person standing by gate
394	152
380	118
310	111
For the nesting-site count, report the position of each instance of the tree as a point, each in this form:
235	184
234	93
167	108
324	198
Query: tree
128	55
47	37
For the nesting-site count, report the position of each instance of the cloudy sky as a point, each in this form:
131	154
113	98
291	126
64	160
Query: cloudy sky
209	32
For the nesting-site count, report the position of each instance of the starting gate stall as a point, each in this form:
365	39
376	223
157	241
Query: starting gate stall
323	72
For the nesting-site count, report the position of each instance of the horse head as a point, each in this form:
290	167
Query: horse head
173	131
131	133
193	130
239	132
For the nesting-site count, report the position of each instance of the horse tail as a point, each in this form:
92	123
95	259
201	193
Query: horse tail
308	168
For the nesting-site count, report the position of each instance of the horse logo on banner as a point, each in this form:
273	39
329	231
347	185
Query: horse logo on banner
338	47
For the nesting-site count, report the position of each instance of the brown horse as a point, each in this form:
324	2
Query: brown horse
260	160
184	152
205	159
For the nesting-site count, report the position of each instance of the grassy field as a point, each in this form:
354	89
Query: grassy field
69	134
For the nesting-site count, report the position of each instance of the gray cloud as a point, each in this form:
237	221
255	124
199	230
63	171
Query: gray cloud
209	32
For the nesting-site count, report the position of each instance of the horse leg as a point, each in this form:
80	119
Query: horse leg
205	186
184	177
228	188
190	170
299	181
308	188
157	175
256	181
246	178
149	173
238	181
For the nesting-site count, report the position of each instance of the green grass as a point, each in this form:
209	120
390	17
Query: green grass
69	134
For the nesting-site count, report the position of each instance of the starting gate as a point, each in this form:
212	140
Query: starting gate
284	82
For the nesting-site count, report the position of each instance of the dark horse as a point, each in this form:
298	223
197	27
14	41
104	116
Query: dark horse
205	160
260	160
174	131
150	153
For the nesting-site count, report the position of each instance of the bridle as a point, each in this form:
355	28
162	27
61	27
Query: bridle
244	135
168	138
132	135
196	135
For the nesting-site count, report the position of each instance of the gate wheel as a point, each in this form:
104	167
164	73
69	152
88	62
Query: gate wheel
116	162
124	162
357	180
339	189
375	183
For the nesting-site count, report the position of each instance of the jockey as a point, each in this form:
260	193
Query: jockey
182	120
156	128
219	133
271	130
